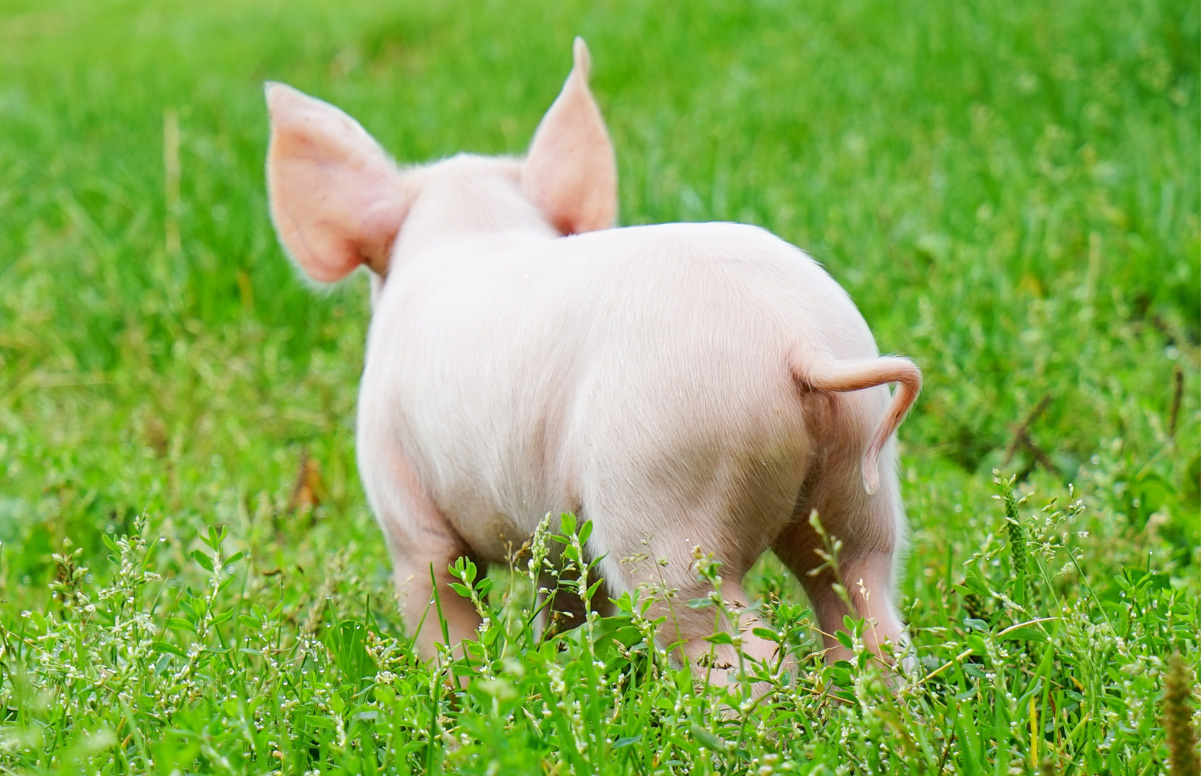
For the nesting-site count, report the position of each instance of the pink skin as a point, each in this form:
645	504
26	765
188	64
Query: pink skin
678	385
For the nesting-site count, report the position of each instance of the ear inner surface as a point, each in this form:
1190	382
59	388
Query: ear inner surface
336	198
570	172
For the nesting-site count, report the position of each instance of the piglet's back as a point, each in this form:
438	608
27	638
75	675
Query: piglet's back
500	371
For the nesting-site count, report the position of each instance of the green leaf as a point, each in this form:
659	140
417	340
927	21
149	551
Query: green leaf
767	634
594	588
709	739
180	624
974	671
720	638
203	560
319	721
168	648
1032	633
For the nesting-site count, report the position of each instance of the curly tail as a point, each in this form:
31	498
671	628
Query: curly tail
828	374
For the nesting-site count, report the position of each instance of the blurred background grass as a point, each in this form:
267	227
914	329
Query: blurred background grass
1008	190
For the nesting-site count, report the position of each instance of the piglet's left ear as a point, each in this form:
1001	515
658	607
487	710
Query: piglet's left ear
570	172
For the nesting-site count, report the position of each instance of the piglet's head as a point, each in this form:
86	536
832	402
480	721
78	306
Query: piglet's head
338	201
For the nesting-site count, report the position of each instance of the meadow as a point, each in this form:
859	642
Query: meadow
191	580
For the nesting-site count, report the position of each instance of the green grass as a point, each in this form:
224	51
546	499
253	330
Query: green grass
1009	190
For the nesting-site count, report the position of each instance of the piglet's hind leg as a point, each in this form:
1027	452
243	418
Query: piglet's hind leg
867	575
423	547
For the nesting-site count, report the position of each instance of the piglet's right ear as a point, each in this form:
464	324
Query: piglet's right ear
336	198
570	172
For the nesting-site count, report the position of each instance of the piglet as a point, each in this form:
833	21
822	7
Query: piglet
679	385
